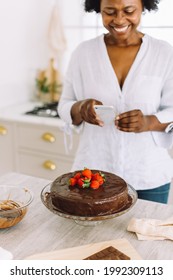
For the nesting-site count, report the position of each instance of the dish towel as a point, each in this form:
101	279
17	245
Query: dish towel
5	255
151	229
56	38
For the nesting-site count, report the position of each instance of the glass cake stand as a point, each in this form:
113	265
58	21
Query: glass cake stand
89	221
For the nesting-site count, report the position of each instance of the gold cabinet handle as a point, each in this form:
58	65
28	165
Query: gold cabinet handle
3	130
49	165
48	137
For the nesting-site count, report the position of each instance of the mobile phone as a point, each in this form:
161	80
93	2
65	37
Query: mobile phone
105	113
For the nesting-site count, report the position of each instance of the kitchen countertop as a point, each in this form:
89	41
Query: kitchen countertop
16	113
42	231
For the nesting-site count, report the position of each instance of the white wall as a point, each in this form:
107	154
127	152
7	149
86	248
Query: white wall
23	47
24	43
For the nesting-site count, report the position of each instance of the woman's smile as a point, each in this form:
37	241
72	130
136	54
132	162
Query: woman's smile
122	29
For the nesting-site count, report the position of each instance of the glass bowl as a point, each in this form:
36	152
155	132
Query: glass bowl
90	221
14	202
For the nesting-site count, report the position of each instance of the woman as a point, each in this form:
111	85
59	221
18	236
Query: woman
133	72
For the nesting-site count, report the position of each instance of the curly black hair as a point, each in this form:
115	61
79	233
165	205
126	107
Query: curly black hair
94	5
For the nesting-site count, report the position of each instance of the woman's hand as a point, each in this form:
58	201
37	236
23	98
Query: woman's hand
135	121
88	113
84	111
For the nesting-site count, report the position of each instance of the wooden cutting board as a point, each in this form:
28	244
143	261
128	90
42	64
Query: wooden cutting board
81	252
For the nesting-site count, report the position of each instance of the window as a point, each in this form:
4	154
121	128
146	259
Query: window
159	24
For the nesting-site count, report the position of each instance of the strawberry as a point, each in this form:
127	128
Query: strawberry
87	173
72	181
94	184
80	182
101	181
77	175
98	178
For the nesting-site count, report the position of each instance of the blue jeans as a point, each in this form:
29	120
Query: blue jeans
159	194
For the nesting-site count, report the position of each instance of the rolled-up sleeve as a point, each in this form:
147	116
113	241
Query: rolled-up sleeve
66	102
165	115
68	96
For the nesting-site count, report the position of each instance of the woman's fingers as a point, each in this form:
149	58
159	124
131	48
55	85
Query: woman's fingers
88	113
132	121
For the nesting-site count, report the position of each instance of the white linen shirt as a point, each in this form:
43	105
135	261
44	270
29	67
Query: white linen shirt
140	158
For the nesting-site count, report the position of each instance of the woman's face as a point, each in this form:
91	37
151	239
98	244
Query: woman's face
121	17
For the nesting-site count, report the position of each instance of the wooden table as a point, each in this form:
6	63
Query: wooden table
42	231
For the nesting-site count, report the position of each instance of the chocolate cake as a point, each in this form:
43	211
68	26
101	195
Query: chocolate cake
109	198
109	253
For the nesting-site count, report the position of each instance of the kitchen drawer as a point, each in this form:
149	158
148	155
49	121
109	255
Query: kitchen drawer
45	166
45	139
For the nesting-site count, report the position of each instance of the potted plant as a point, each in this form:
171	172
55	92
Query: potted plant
48	92
48	84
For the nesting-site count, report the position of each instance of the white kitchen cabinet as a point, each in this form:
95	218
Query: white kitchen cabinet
43	165
34	145
41	150
6	147
44	138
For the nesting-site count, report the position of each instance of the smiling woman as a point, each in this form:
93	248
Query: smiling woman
132	72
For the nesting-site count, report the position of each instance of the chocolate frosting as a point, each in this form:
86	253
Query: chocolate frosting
109	198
